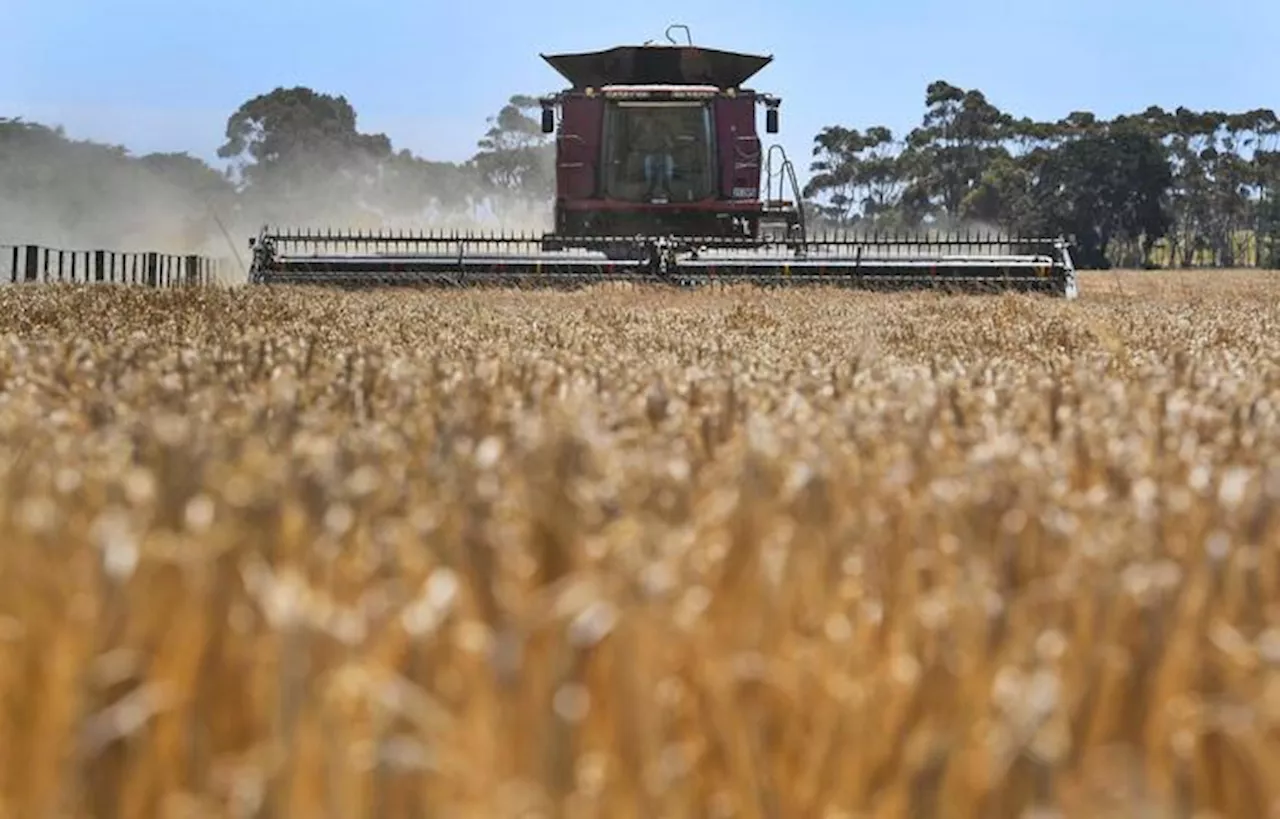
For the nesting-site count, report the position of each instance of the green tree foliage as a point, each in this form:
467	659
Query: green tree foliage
515	162
291	134
297	149
1199	185
1106	186
960	136
859	170
295	146
1267	179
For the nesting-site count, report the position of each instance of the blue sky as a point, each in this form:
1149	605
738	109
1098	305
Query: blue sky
164	76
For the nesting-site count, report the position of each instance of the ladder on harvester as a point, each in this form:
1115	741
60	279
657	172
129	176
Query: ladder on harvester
778	210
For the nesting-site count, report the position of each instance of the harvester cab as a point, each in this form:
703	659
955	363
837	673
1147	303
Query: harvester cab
661	176
661	140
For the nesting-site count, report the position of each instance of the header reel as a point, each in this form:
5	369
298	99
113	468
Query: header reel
877	262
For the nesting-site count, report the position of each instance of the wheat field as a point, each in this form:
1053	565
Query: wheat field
629	553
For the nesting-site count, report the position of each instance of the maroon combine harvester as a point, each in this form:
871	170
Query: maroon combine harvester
661	141
661	176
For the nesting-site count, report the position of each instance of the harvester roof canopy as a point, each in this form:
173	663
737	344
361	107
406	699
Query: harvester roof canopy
657	65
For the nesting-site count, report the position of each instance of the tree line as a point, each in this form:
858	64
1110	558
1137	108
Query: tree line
293	156
1157	188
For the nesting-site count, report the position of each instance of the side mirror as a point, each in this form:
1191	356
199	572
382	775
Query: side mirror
548	120
771	120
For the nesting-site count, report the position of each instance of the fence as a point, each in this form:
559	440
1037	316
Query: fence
35	264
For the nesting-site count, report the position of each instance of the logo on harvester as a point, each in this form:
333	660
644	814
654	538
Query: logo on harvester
745	193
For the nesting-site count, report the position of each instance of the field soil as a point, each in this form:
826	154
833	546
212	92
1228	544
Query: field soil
633	553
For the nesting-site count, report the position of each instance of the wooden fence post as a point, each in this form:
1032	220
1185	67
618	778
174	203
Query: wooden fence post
36	263
31	271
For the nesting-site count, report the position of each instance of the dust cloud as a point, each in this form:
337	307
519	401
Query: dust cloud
79	195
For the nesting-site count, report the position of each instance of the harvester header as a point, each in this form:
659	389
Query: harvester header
661	176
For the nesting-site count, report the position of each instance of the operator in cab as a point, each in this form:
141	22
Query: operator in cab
654	143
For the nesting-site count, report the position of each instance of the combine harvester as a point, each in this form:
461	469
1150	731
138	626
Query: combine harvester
661	178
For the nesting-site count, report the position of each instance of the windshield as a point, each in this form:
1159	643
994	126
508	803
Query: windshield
658	151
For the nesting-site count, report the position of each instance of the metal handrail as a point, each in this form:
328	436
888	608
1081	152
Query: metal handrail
688	36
